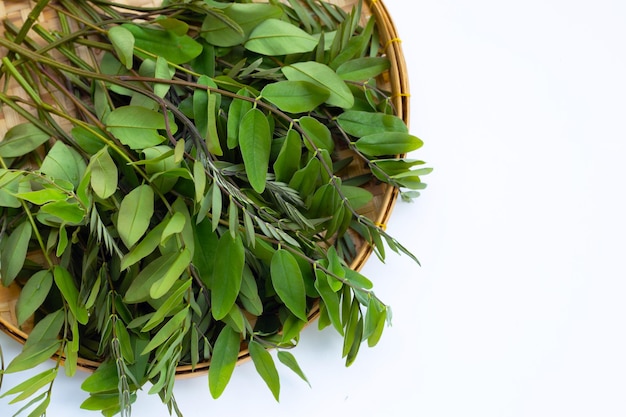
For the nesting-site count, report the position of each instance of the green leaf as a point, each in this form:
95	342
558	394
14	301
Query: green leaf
161	286
33	295
265	367
238	108
277	37
204	258
126	349
232	26
42	196
255	142
145	247
360	123
357	197
47	328
175	224
330	299
249	293
223	360
165	269
392	143
205	116
170	328
31	385
13	257
288	282
318	133
33	355
227	275
123	42
22	139
171	304
64	211
64	163
136	126
65	282
103	174
104	379
287	359
165	43
295	96
178	27
362	69
323	76
288	160
135	213
89	140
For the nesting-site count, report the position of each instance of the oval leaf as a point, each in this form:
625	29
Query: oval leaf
295	96
103	174
362	69
265	367
288	282
33	295
278	37
227	274
123	42
136	126
135	213
223	360
393	143
323	76
165	43
255	141
159	288
22	139
14	255
362	123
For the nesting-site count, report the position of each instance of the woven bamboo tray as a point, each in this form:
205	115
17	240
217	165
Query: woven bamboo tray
379	209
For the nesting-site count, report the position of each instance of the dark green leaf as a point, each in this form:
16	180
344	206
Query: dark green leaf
223	360
362	123
227	275
135	213
265	367
255	141
323	76
238	108
330	299
277	37
205	116
13	257
318	133
295	96
362	69
391	143
65	282
22	139
33	294
104	379
288	282
167	44
288	160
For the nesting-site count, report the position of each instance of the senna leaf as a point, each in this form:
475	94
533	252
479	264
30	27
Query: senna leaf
233	25
62	212
135	212
287	359
104	175
288	282
255	142
205	116
391	143
277	37
64	163
175	224
249	293
360	123
170	328
42	196
33	295
288	159
47	328
330	299
139	289
126	349
164	43
295	96
161	286
31	385
238	108
318	133
33	355
171	304
323	76
178	27
13	257
145	247
123	42
204	259
265	367
22	139
104	379
362	69
227	275
199	180
136	126
223	360
358	197
65	282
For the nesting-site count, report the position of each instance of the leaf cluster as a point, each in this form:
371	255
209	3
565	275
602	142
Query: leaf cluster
198	205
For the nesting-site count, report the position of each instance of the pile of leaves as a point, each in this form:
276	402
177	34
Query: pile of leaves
198	205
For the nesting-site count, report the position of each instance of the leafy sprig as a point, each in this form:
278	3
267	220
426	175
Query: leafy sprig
181	197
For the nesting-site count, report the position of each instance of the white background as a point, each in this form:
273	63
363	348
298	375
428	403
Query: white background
518	308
